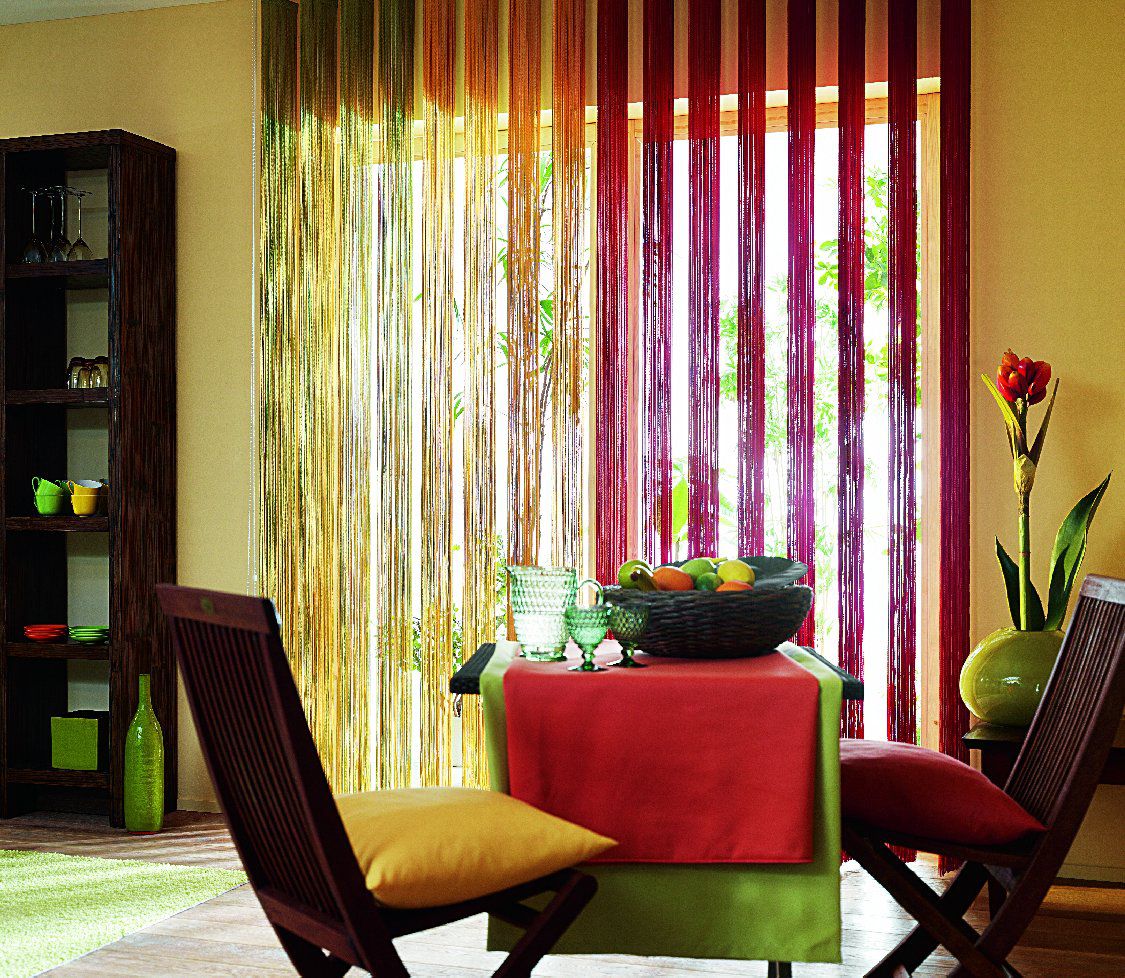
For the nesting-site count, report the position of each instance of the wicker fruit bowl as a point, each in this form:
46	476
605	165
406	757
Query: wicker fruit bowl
717	625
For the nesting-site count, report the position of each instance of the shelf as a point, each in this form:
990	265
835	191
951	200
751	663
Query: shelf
83	397
63	779
75	274
56	650
59	524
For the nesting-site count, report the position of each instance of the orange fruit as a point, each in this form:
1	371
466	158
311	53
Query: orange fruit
672	579
735	586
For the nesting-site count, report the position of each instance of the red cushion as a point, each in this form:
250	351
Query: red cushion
908	789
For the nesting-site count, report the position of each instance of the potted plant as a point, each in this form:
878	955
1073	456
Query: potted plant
1003	679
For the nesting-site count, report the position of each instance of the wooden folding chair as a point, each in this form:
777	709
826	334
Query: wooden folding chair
1054	778
282	815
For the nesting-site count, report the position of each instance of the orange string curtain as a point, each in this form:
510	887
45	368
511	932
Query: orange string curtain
525	410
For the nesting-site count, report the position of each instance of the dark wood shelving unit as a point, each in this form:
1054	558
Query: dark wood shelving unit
77	274
57	650
58	524
87	397
49	776
133	277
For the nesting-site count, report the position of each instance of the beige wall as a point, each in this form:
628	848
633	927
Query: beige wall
182	76
1048	209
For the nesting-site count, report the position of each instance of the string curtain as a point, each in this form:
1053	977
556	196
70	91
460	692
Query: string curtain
497	350
703	276
656	271
850	402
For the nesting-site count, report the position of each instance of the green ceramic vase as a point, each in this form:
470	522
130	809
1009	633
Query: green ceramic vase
1003	678
144	767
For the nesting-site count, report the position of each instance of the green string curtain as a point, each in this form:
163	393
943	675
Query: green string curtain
313	408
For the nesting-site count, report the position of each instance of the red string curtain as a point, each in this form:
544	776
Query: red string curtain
704	55
902	723
751	363
524	409
801	530
851	256
953	614
568	167
656	271
611	351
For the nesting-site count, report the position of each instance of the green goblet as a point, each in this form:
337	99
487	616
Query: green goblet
588	627
628	626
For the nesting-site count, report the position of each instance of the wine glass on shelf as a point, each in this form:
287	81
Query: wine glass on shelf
33	252
79	251
60	244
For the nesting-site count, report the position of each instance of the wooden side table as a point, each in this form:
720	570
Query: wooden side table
999	747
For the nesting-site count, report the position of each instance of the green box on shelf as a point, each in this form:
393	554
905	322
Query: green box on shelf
79	741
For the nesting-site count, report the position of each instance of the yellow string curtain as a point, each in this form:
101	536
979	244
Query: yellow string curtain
525	412
479	600
392	455
313	370
568	147
438	18
278	343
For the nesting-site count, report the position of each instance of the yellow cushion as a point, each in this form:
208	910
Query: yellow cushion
424	847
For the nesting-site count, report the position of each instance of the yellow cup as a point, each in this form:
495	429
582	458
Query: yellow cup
85	487
85	504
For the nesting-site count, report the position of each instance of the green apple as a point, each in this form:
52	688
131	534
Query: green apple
699	565
708	582
625	574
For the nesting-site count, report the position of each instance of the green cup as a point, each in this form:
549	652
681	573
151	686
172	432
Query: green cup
50	505
48	487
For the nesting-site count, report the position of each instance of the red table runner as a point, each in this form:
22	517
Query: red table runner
686	761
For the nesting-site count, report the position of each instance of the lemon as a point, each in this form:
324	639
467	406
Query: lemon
736	570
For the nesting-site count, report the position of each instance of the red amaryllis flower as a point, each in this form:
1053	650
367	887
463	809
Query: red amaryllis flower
1026	378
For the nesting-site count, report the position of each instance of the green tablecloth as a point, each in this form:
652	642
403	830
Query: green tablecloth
760	912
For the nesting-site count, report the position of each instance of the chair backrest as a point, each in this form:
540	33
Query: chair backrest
1064	753
261	756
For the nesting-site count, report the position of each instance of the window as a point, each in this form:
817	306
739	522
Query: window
875	433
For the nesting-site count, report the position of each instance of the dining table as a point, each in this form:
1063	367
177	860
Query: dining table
774	899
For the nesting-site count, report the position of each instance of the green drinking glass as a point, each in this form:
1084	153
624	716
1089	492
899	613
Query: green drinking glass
628	626
540	597
588	627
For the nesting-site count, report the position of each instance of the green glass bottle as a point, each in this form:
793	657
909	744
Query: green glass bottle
144	766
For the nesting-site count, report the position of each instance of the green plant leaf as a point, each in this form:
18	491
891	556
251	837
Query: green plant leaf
1067	554
679	507
1016	437
1037	445
1011	573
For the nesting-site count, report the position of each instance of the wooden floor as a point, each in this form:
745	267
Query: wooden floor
1081	931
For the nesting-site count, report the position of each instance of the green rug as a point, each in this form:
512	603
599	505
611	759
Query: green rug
54	908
